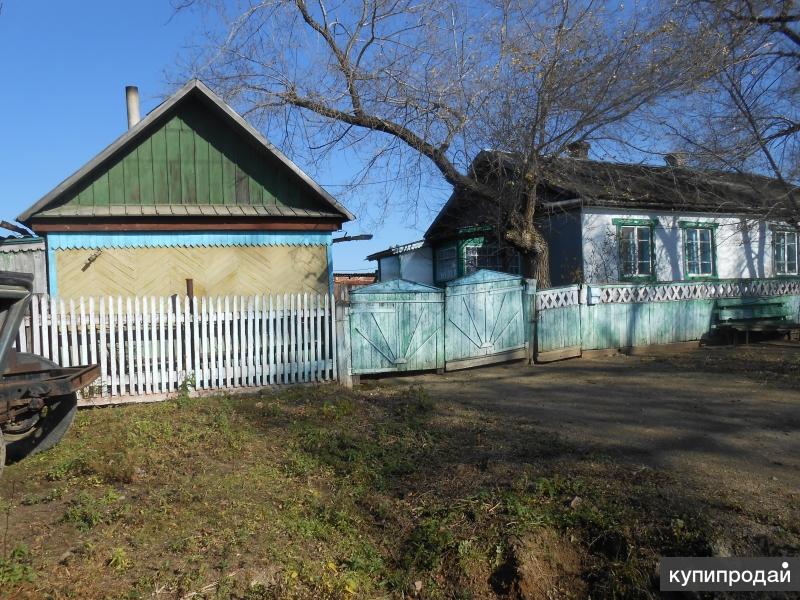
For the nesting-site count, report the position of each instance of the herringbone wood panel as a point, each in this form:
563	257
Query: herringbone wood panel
216	271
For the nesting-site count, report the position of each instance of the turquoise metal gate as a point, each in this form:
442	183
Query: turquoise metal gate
396	326
486	319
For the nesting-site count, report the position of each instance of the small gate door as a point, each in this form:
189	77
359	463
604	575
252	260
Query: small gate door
485	320
396	326
558	323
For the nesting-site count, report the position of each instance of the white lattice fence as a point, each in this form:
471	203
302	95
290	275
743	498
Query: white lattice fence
705	290
558	297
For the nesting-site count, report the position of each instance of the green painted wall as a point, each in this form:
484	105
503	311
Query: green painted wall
194	157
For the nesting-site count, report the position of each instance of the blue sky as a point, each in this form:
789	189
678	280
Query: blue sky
64	68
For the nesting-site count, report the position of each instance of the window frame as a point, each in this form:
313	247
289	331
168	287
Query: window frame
784	231
483	242
712	228
649	223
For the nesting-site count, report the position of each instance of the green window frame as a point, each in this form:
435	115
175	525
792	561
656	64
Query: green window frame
784	252
699	249
637	252
480	253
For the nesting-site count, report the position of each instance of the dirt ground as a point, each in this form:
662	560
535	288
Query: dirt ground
511	482
723	421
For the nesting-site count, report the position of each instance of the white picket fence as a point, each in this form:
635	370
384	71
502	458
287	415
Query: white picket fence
155	346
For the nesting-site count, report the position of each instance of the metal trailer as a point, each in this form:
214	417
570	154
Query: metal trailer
38	399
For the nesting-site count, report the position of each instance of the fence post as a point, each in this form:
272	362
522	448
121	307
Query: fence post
529	313
343	357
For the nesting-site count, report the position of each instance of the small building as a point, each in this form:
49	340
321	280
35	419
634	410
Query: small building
610	222
190	198
25	255
413	262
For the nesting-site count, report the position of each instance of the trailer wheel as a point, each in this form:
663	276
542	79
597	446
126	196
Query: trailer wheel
48	431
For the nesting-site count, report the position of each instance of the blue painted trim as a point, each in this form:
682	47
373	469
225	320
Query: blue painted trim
52	280
136	239
330	266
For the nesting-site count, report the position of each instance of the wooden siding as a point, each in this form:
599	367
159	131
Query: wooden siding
163	271
194	158
27	261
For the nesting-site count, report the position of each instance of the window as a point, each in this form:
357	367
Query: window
479	255
636	250
699	249
446	263
784	247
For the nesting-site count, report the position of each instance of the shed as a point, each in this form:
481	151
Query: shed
191	192
25	255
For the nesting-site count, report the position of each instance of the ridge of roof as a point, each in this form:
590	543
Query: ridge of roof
132	134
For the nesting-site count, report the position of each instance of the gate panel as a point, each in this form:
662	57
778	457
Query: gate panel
396	326
485	320
558	323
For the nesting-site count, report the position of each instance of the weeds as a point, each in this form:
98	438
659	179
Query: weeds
16	568
339	494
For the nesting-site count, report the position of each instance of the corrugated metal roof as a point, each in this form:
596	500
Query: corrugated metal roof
133	239
394	250
187	210
32	244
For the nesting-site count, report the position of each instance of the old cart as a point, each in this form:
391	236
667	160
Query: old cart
38	399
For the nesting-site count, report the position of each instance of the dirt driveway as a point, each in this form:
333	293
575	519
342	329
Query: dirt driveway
723	422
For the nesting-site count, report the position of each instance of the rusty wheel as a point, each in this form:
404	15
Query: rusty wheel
48	427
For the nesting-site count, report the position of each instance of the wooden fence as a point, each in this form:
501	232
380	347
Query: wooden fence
154	346
594	317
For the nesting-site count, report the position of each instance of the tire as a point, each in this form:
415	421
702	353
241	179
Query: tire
49	430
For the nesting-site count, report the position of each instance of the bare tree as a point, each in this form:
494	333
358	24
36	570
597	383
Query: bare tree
747	118
425	86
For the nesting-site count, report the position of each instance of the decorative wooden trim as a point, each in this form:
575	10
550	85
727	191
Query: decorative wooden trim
691	290
203	224
635	222
697	225
558	297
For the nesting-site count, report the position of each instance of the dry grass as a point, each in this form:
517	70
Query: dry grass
317	492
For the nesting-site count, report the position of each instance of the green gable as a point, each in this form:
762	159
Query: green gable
192	157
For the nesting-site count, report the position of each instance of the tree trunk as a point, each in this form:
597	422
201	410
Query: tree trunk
536	259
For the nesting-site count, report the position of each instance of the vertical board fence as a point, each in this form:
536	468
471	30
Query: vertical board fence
617	316
157	345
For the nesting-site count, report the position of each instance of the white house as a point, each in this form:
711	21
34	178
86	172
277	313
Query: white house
609	222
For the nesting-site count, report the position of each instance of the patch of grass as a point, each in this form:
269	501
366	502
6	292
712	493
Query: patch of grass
16	567
334	494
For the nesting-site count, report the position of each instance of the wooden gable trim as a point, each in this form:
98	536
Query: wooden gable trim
205	224
145	126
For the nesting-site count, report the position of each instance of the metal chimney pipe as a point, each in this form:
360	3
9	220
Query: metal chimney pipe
132	101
